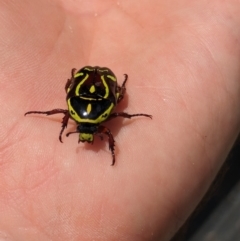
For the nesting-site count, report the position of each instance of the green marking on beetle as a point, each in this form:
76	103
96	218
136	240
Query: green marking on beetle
112	77
93	99
92	69
106	87
80	84
86	137
92	89
103	70
78	74
89	108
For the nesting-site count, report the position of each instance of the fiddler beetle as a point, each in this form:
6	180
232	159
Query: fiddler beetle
92	94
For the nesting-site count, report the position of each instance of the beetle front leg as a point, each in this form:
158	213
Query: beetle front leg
106	131
121	90
69	81
53	112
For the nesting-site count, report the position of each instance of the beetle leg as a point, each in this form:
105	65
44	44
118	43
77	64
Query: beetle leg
126	115
106	131
64	124
69	81
122	89
53	112
73	132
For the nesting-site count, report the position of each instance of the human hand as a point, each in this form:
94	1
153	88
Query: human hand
182	58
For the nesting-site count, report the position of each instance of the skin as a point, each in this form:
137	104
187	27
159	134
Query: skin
182	58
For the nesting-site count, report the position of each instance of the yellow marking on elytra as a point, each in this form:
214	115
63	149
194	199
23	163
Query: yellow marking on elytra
87	98
103	70
89	108
92	89
78	74
106	87
72	112
112	77
80	83
102	117
89	69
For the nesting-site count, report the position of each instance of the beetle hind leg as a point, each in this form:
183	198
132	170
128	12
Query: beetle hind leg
111	142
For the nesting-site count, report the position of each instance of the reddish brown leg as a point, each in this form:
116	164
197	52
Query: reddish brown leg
126	115
69	81
122	89
53	112
74	132
106	131
64	124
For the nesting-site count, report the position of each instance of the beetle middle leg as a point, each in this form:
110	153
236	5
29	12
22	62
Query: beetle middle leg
53	112
126	115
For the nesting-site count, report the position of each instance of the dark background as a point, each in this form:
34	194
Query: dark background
217	217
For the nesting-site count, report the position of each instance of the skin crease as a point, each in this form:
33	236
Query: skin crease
182	58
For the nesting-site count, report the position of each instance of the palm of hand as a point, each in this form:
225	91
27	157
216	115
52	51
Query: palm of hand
65	191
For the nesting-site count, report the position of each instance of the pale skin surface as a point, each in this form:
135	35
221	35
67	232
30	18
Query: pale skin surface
182	58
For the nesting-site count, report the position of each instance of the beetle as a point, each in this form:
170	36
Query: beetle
92	94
